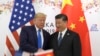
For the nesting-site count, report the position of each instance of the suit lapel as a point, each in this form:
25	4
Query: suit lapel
56	39
65	37
44	37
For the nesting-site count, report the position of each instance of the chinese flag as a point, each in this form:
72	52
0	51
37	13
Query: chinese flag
45	53
77	23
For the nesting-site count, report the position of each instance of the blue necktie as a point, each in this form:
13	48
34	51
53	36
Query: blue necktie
39	39
59	39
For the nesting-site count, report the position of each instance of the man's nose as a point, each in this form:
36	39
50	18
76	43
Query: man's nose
42	21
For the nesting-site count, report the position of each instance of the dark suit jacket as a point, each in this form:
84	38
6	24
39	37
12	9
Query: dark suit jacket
70	45
28	39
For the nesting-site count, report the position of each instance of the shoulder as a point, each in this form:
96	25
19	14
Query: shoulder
46	32
28	27
72	32
55	33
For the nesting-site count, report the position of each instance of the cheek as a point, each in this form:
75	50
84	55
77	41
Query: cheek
58	25
38	23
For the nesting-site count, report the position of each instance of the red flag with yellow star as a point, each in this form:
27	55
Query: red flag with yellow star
77	23
45	53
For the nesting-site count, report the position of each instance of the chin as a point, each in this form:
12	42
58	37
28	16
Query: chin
60	30
41	27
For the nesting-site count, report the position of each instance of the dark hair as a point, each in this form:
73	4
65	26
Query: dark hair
62	16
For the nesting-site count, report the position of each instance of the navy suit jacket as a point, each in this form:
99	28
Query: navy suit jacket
70	44
28	39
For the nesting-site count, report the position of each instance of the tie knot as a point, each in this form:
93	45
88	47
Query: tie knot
60	34
39	30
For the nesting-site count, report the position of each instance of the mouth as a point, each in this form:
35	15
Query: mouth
42	25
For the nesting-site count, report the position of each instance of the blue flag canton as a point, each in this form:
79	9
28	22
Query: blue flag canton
23	12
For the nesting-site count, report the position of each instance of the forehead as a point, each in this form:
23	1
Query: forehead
59	19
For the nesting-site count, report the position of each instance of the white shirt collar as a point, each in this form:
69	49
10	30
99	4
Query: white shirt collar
37	28
63	32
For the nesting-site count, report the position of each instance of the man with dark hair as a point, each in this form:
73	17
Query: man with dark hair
65	42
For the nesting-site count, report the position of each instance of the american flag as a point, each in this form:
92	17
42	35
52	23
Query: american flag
23	12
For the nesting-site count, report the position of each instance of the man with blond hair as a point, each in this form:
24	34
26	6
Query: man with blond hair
34	38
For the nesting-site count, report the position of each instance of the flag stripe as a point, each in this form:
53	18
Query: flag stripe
10	46
16	36
12	40
18	31
7	52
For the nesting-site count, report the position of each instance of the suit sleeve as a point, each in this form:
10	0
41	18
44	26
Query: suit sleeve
76	46
24	45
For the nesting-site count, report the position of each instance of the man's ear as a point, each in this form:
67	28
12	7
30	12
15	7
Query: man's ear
33	21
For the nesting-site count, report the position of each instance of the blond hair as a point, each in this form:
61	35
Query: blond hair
39	14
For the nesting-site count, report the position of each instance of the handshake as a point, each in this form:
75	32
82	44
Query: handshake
40	53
